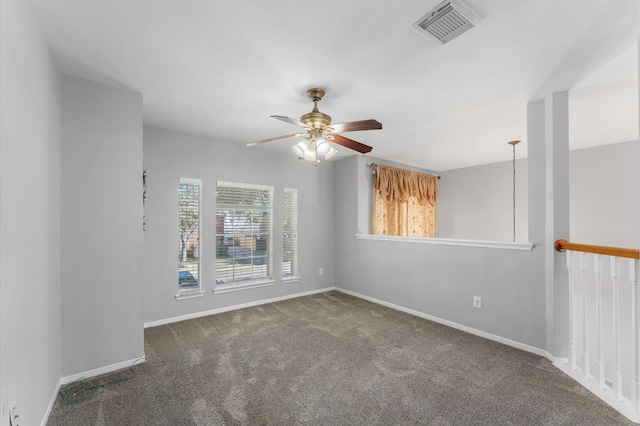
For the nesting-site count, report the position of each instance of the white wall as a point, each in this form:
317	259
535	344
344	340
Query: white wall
169	155
29	218
476	203
102	241
605	195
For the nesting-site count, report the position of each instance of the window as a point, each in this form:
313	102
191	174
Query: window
244	223
189	191
404	202
290	233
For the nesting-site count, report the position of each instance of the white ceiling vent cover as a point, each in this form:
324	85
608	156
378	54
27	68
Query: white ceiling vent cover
447	21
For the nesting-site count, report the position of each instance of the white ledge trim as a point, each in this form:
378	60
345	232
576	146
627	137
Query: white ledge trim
450	242
246	285
189	294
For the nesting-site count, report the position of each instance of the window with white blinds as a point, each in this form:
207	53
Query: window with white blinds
290	233
189	200
244	224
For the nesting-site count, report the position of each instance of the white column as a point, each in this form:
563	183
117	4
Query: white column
635	327
635	335
548	168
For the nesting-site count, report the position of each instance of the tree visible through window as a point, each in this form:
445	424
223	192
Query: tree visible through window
244	222
189	192
290	233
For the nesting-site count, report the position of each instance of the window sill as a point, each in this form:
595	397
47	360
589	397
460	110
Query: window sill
226	288
450	242
287	280
189	294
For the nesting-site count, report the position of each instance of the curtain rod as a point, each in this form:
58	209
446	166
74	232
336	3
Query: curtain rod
374	166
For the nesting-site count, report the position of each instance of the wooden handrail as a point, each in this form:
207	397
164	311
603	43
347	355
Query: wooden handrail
562	245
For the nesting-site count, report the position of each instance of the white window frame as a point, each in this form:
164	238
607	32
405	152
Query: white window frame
290	235
243	284
196	291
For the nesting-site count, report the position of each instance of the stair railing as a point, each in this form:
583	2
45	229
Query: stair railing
595	324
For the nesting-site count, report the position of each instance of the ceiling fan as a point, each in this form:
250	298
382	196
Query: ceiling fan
319	132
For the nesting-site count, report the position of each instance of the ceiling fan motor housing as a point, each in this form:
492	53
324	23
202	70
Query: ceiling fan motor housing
315	119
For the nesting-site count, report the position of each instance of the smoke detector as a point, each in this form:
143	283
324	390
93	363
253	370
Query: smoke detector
447	21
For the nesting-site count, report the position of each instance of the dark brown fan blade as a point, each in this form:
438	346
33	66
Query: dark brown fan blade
290	121
292	135
352	126
351	144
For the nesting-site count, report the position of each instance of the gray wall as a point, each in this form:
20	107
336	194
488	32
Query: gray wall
346	201
437	280
102	241
169	155
476	203
30	217
605	195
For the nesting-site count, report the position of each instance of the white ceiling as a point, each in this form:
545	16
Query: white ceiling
220	67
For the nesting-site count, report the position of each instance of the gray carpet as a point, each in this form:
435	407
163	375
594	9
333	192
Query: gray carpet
333	359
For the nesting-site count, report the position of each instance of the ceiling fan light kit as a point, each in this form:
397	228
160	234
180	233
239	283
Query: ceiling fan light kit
319	134
311	150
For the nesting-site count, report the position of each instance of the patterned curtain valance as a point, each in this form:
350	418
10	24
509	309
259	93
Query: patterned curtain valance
398	185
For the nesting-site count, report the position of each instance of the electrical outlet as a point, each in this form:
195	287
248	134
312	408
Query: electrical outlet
321	271
477	302
13	415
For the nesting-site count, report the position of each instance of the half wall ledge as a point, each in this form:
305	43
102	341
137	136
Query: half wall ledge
505	245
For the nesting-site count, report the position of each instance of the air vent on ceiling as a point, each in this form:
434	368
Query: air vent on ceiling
447	21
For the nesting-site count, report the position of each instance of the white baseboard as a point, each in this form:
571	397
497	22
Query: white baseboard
233	307
452	324
45	420
87	374
98	371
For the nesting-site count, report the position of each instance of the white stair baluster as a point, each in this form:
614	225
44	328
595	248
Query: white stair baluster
617	374
597	269
585	349
572	346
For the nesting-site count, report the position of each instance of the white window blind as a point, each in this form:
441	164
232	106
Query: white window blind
189	200
244	224
290	233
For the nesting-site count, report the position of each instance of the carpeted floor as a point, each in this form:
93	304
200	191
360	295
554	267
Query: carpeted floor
333	359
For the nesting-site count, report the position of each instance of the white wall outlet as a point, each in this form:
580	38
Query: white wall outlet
321	271
477	302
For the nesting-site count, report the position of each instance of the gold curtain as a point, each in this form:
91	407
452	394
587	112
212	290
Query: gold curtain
404	202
